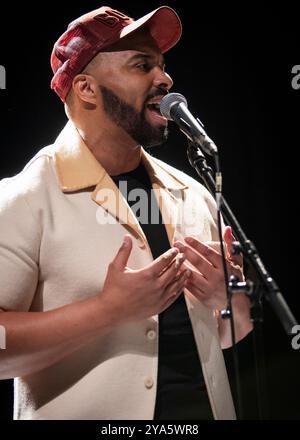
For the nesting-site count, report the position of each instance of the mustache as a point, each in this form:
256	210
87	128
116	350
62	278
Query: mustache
160	91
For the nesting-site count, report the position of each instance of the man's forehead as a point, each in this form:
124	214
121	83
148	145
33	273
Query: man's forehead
135	55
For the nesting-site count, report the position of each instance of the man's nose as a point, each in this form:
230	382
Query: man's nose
162	79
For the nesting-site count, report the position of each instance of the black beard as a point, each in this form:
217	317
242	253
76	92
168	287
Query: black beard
134	123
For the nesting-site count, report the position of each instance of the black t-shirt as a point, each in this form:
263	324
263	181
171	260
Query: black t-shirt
181	390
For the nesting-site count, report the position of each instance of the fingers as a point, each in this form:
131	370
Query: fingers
196	259
210	254
175	288
196	279
162	262
195	289
210	294
123	254
168	275
171	274
208	271
229	239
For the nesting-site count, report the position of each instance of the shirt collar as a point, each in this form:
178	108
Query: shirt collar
77	168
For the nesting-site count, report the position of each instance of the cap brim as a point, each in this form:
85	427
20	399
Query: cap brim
164	25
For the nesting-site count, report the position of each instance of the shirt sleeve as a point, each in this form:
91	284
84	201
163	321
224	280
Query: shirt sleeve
19	248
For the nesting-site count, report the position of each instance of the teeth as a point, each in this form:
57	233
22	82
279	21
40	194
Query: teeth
154	104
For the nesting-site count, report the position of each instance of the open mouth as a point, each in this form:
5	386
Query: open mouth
155	114
154	108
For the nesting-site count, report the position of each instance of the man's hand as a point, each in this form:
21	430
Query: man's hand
36	340
207	275
132	295
207	283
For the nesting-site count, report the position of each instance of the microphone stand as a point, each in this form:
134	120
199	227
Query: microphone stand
266	287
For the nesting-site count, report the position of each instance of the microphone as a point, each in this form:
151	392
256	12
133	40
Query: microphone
174	107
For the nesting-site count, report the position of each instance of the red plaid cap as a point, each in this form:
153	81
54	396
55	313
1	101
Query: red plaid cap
96	30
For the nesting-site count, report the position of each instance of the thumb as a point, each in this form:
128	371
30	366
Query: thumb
122	256
229	239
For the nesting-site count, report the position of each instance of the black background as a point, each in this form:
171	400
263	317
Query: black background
234	65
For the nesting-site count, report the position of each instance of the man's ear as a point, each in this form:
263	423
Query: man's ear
85	87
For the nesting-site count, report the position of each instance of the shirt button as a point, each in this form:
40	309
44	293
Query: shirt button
148	382
151	334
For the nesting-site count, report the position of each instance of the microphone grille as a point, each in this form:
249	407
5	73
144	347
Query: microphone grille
168	101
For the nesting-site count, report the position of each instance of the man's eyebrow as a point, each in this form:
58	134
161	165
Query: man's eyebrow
145	56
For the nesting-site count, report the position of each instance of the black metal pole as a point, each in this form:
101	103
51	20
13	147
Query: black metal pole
270	288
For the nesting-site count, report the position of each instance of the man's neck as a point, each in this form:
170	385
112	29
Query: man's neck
116	152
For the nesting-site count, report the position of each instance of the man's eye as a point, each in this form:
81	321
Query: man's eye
144	66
